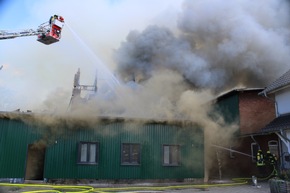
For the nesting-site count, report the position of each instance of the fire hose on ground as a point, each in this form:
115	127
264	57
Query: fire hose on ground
88	189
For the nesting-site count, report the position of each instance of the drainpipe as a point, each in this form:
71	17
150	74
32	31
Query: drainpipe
276	106
281	136
284	139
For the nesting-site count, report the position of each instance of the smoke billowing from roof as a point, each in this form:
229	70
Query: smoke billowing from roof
220	45
172	75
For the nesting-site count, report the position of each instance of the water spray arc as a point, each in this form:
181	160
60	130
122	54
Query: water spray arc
231	150
112	81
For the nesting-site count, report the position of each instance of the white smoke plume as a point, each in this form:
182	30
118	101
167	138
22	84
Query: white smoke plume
220	45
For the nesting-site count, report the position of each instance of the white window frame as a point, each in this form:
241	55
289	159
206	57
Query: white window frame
167	159
253	153
86	153
273	147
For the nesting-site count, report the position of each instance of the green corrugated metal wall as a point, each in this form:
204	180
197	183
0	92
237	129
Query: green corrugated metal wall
14	139
61	156
229	108
110	136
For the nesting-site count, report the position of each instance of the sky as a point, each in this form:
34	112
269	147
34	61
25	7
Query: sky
169	47
33	72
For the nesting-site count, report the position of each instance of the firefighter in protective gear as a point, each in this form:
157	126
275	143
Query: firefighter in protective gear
260	158
271	158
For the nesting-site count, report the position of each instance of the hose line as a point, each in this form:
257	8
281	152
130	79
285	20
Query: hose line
90	189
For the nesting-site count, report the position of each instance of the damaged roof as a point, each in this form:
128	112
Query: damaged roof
235	90
280	123
281	82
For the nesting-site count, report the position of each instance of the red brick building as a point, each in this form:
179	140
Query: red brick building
249	112
254	111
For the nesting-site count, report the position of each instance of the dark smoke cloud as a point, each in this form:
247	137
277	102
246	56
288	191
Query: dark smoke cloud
220	45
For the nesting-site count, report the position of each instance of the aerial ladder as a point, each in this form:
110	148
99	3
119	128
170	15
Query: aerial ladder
47	33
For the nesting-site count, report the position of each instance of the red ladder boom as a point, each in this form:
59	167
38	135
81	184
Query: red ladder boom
47	33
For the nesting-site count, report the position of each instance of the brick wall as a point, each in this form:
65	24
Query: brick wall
255	111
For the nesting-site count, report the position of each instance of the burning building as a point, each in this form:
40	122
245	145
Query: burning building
38	147
236	156
219	46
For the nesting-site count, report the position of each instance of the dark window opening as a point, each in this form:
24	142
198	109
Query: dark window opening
88	152
254	150
130	154
171	155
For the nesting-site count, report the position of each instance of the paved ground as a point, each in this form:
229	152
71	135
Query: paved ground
262	188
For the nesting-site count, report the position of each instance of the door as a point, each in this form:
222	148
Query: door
35	162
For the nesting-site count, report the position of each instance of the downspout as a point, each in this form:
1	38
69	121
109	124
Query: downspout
286	141
276	106
284	138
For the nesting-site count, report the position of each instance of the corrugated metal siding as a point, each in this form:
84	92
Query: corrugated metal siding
14	140
61	158
61	152
229	108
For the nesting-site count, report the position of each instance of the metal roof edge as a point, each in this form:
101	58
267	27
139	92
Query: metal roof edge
19	115
237	90
278	89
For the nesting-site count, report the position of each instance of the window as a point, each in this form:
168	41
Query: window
88	152
273	147
130	154
254	151
171	155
